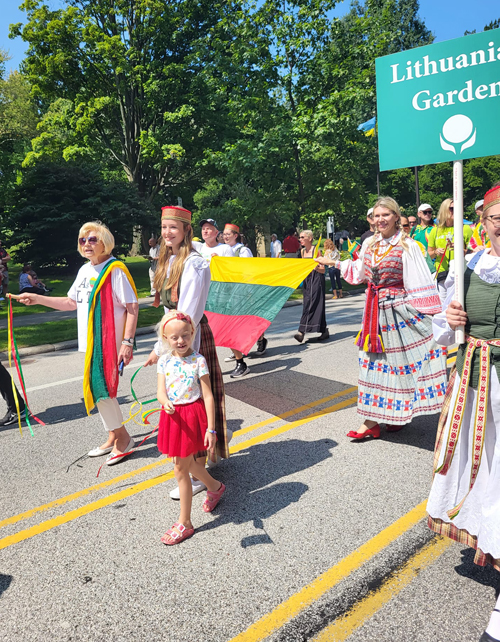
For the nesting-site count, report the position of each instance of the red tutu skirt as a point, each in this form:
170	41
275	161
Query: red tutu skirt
182	433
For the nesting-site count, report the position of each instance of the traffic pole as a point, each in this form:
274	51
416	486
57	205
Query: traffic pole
458	239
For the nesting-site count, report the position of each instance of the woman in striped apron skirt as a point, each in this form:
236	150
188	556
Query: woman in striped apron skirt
402	371
464	503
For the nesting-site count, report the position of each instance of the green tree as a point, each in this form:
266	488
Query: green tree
52	202
18	120
138	81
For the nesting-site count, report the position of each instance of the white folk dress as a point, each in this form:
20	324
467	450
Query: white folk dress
478	522
408	378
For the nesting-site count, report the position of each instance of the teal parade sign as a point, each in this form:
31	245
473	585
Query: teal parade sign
440	102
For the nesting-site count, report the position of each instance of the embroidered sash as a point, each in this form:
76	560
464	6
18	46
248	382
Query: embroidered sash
480	414
368	338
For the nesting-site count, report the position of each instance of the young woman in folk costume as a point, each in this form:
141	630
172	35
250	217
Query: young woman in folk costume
464	502
182	281
402	372
232	238
105	299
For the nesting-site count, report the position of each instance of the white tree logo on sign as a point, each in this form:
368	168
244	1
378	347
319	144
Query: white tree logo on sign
458	129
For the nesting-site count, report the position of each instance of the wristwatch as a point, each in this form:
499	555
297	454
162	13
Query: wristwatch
128	342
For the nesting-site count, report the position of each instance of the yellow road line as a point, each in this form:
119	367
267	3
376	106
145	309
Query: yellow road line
116	480
296	411
295	604
294	424
150	483
356	617
83	510
81	493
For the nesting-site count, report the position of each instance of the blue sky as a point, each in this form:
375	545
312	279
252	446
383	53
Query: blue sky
445	18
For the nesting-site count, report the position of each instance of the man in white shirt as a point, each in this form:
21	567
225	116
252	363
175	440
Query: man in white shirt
211	247
275	247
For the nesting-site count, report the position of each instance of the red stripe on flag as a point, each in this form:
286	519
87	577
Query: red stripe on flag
110	357
237	332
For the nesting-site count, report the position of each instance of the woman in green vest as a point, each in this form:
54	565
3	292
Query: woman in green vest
464	502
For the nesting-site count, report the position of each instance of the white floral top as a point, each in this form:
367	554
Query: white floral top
182	377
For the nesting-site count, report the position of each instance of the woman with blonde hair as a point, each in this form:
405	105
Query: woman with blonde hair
332	254
105	298
182	281
402	371
441	245
313	311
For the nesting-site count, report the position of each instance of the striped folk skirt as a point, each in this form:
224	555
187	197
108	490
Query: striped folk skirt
208	350
409	378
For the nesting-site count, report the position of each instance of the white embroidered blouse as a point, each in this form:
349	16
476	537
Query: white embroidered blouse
193	294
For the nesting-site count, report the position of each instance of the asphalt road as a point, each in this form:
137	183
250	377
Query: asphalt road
317	538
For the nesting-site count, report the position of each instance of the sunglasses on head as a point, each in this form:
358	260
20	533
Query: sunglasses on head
93	240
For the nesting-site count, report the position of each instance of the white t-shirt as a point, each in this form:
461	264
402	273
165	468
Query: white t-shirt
275	249
80	292
245	252
182	377
221	250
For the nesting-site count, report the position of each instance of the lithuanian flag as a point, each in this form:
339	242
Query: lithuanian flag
246	295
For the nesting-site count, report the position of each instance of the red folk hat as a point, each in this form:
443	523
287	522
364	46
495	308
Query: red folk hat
492	197
176	213
232	227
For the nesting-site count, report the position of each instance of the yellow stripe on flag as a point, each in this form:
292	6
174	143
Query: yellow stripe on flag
261	271
316	249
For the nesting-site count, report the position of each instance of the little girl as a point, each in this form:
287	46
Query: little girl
188	417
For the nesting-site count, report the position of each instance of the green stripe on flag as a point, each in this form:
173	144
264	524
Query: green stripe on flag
238	299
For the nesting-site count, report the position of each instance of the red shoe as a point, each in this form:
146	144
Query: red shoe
213	499
393	427
371	432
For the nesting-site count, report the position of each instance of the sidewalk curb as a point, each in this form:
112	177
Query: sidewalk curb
69	345
64	345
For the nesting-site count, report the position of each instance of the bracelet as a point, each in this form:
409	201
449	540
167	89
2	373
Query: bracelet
212	432
129	344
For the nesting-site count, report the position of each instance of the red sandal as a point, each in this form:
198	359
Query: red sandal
213	499
176	534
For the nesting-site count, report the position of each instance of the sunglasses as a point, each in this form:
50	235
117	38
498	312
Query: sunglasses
451	209
426	211
92	240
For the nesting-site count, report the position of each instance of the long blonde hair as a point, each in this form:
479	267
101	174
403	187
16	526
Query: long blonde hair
444	210
390	204
185	250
